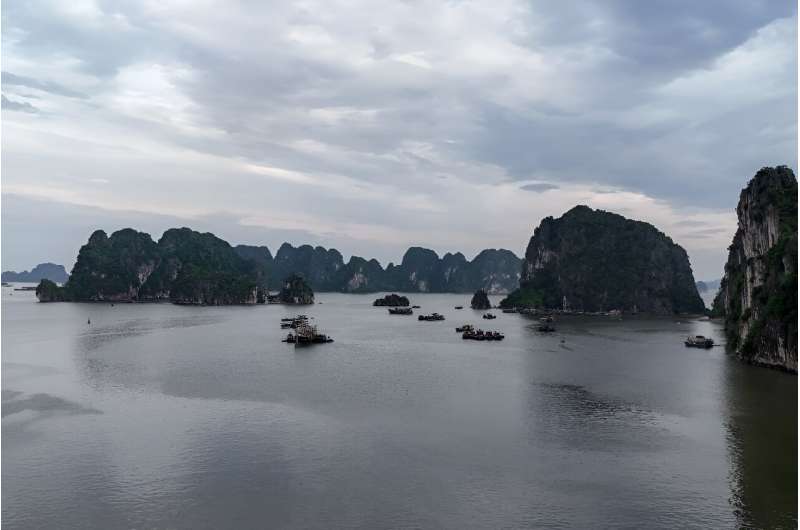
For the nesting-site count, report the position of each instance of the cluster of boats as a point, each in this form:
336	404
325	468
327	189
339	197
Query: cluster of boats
304	333
470	333
431	317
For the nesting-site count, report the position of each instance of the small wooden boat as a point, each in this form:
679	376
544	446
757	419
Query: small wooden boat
699	341
431	317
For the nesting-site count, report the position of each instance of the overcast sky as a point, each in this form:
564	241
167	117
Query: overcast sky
374	126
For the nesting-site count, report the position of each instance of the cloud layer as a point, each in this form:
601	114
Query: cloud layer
373	126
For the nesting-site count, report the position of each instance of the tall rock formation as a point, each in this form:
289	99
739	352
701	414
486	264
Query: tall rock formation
758	295
592	260
185	267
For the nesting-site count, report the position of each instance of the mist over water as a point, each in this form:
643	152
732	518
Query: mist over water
164	416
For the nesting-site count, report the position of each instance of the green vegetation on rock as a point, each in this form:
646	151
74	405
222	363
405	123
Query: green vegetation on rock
295	290
592	260
758	295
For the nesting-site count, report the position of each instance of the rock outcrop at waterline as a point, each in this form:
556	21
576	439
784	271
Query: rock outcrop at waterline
592	260
758	295
295	290
480	300
392	300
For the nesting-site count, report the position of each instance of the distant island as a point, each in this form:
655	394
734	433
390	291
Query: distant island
592	260
421	270
43	271
758	294
189	267
705	286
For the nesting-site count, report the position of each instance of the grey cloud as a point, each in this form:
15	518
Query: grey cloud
22	106
586	118
46	86
539	187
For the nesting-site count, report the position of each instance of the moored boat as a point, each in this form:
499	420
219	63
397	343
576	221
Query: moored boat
400	311
431	317
489	316
699	341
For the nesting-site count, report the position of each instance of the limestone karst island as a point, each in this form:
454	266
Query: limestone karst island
458	265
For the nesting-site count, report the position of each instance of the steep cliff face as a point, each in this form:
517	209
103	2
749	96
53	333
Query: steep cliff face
421	270
480	300
591	260
758	295
185	267
112	268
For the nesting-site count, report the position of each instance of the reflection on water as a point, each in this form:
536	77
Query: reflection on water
158	416
762	439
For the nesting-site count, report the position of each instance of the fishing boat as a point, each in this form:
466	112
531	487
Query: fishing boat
415	307
400	311
459	307
464	328
489	316
308	334
481	335
431	317
698	341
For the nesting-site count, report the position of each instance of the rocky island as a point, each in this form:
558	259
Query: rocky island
296	291
592	260
184	267
421	270
758	294
480	300
43	271
392	300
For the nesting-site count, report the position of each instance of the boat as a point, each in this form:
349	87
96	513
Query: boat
699	341
482	335
459	307
546	319
400	311
546	328
489	316
465	327
307	334
431	317
415	307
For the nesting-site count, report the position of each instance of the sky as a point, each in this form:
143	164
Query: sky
374	126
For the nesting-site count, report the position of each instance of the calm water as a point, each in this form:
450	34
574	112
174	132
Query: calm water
159	416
